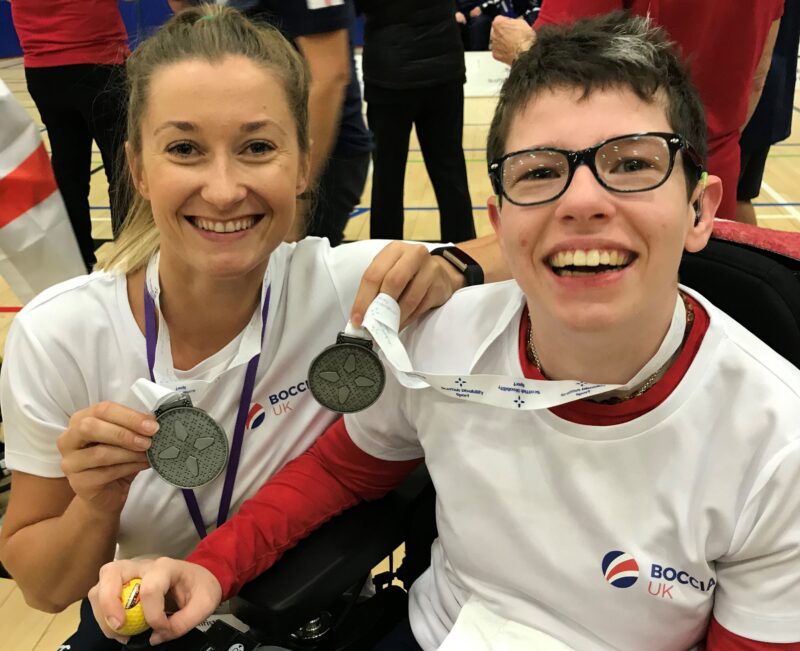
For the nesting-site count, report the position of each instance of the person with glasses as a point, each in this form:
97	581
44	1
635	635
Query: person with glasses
630	481
728	54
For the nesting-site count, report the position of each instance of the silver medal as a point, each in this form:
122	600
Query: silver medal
347	376
190	449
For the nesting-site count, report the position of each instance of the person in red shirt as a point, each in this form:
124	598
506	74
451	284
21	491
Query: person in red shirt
728	51
74	55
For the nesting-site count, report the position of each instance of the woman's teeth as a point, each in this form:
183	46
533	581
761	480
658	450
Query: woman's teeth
584	262
230	226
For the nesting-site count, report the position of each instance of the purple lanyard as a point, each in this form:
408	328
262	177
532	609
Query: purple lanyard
241	416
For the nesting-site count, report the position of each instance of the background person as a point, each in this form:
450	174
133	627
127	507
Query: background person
772	120
74	55
413	64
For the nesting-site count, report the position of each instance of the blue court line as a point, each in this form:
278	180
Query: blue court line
788	203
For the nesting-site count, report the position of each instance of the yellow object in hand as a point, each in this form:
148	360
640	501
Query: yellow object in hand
134	615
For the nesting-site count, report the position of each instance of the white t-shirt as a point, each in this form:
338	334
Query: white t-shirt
539	518
78	344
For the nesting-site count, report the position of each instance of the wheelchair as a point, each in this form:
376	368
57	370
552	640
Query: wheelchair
310	600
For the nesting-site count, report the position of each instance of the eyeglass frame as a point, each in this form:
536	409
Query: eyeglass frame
675	143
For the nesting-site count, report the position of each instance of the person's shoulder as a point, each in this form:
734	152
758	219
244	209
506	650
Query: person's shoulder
76	300
93	287
741	350
467	322
478	304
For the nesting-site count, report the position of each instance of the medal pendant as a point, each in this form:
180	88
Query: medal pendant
190	449
347	376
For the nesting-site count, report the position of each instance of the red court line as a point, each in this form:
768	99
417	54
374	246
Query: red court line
9	309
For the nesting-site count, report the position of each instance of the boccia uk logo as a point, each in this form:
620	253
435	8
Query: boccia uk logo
620	569
255	416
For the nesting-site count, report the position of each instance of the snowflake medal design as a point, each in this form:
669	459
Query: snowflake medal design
347	376
190	449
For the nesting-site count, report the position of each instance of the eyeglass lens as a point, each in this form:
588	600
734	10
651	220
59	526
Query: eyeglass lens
628	164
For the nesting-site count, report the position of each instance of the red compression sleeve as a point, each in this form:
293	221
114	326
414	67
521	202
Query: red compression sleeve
332	476
721	639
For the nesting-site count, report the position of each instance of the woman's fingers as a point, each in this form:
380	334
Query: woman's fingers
105	597
390	272
99	456
109	423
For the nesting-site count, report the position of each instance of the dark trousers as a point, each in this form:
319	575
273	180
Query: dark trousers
89	637
400	639
79	103
438	114
338	192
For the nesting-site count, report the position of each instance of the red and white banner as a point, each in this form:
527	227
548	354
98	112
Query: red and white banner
37	244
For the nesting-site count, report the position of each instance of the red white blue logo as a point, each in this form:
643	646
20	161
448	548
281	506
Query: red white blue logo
255	416
620	569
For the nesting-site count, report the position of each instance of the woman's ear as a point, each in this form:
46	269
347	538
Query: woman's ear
303	173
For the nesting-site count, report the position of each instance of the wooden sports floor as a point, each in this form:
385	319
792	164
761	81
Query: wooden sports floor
778	207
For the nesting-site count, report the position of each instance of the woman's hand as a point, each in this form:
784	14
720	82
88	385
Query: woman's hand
194	590
102	450
409	274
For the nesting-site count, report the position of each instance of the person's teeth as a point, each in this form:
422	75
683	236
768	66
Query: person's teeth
579	258
592	258
605	257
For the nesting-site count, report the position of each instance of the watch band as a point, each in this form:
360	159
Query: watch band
465	264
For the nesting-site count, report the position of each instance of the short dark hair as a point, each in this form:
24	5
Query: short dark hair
616	50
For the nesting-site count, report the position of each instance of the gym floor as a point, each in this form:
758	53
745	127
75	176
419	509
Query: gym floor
777	207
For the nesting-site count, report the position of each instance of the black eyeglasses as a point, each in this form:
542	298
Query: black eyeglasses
632	163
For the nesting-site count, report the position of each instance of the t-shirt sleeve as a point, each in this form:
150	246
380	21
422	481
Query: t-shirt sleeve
758	591
385	430
347	264
555	12
36	404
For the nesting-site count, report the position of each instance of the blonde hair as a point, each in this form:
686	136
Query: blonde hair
207	32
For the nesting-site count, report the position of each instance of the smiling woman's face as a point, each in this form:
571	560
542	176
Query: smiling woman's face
220	165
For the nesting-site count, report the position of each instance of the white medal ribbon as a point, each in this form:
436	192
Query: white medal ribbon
152	395
382	322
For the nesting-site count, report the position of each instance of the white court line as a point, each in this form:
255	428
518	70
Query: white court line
794	212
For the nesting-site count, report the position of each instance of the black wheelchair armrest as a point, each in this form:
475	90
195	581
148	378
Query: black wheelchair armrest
330	561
